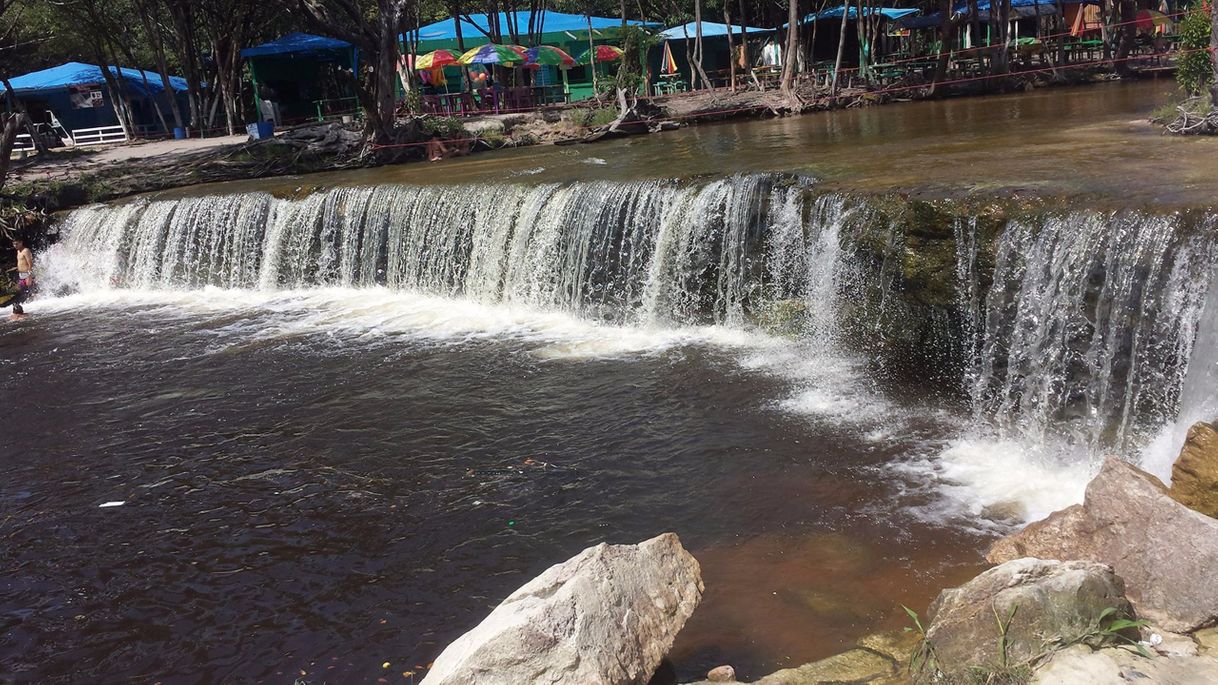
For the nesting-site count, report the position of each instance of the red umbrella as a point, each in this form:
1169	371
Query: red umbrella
604	53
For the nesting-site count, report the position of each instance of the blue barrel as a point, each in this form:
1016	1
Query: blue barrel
261	130
179	133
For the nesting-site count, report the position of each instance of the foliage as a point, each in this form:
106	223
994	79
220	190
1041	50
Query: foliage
1194	70
1113	629
445	127
600	116
922	659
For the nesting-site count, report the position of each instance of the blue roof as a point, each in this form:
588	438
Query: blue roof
296	43
709	28
836	13
474	27
76	74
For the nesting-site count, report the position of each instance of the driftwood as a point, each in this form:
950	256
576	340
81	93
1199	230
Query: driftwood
1190	122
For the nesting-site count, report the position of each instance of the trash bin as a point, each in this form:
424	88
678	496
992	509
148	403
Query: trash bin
261	130
180	133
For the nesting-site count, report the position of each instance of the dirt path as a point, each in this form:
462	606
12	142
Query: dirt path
65	163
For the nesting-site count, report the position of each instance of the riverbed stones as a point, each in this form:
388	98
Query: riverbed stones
1194	476
1118	666
1042	603
607	616
1166	553
722	674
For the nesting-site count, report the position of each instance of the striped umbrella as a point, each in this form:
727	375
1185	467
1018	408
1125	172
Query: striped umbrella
492	53
437	59
604	53
550	56
668	65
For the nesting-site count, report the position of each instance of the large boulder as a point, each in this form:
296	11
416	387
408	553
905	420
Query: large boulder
1041	604
1194	476
1166	553
606	616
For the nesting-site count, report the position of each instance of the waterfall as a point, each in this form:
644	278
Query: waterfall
649	252
1088	327
1074	326
1198	398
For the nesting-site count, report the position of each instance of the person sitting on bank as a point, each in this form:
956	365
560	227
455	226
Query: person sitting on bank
437	149
25	276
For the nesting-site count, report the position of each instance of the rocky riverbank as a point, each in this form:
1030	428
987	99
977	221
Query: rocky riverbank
1121	588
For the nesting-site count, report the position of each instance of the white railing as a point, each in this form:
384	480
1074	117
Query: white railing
23	142
99	136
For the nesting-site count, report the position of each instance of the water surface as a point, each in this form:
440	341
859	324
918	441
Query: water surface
1082	140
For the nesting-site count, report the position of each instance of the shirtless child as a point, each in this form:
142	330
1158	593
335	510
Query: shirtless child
25	276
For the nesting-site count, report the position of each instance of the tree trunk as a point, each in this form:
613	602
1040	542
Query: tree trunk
1129	11
158	50
7	140
731	53
791	55
698	42
947	34
841	49
1214	53
19	108
384	89
744	39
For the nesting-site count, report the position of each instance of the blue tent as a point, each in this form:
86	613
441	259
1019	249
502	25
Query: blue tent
296	44
75	94
709	30
78	74
554	27
836	13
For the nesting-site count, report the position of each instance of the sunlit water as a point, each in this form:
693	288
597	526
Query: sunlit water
343	427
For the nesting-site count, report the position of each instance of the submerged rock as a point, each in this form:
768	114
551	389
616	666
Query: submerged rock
854	666
1194	476
1166	553
1116	666
606	616
1041	604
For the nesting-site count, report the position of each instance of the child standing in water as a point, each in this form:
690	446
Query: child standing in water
25	276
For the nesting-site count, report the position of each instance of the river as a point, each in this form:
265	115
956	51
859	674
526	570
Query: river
263	433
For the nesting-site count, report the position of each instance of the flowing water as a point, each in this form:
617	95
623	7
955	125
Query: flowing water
343	425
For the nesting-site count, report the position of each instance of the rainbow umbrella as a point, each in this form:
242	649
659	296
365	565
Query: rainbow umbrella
550	56
492	53
668	65
437	59
604	53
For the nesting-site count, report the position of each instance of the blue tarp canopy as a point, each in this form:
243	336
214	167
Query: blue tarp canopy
836	13
1020	9
78	74
296	43
709	29
475	27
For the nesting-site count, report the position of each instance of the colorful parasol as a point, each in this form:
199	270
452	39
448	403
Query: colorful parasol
604	53
437	59
492	53
549	56
668	65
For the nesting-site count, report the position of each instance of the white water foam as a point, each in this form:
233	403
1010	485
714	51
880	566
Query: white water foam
997	481
369	314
